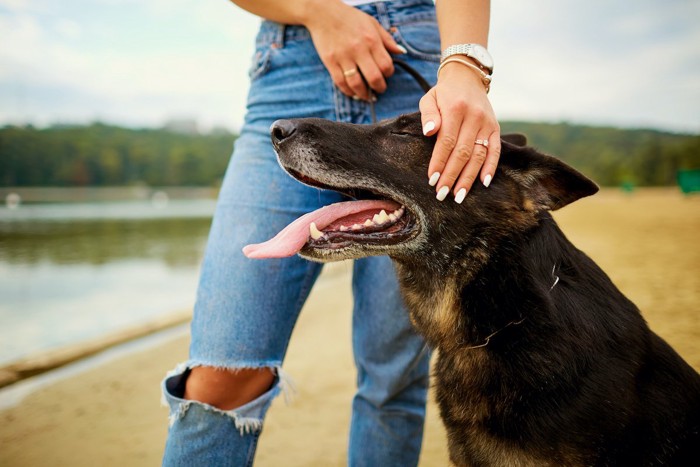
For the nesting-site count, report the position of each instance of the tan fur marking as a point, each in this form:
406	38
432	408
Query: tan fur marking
445	311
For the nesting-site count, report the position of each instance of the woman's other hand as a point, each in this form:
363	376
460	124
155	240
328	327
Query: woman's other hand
352	44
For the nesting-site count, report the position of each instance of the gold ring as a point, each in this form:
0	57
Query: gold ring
483	142
349	73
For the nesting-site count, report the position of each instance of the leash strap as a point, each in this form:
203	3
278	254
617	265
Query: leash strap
422	82
412	71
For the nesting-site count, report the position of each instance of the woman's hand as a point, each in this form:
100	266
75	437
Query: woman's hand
458	110
352	44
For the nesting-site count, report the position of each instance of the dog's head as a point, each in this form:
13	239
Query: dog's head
383	167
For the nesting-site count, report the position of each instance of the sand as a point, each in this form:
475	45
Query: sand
110	415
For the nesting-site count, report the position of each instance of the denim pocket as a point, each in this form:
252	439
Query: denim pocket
421	40
260	63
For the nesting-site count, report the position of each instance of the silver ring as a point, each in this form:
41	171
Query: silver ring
349	73
483	142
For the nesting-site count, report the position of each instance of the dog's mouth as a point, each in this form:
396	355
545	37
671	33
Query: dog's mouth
373	220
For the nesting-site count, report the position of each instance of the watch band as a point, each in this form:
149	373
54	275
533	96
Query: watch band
468	50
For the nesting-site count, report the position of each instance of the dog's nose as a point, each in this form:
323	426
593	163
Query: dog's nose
281	130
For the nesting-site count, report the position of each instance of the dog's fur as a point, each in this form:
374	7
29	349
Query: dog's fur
542	360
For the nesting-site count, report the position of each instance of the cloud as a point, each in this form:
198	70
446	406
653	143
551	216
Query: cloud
138	68
598	62
139	62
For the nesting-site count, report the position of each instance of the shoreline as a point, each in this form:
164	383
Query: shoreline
44	361
48	360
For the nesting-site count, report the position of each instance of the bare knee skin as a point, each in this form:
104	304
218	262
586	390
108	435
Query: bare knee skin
227	389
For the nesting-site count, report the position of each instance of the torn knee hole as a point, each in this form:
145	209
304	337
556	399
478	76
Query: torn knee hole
179	384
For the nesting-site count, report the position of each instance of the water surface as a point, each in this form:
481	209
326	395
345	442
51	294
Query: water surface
70	272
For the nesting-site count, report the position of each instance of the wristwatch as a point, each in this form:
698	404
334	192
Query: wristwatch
476	52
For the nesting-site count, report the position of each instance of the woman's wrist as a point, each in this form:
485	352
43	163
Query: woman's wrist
454	71
315	13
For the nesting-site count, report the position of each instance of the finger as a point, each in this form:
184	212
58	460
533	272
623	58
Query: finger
339	81
371	72
444	146
488	171
389	42
470	172
383	60
429	114
354	80
462	153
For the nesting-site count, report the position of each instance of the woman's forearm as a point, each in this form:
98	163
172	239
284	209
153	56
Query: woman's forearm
286	11
463	21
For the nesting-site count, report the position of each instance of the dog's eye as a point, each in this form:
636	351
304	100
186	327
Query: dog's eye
406	133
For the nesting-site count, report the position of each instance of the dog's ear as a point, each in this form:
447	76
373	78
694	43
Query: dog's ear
548	182
517	139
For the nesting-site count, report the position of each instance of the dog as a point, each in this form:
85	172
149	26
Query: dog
541	359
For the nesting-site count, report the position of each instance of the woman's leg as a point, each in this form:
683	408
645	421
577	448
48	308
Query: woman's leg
244	314
391	359
246	309
392	371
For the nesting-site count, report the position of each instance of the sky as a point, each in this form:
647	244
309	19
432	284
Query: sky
629	63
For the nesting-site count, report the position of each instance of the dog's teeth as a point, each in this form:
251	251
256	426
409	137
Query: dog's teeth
392	217
356	227
314	232
368	223
380	218
343	228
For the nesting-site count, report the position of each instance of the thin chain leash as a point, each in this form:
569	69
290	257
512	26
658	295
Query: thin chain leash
422	82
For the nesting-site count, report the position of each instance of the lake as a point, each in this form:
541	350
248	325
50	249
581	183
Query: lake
76	271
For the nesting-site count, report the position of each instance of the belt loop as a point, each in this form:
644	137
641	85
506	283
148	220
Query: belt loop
383	15
279	37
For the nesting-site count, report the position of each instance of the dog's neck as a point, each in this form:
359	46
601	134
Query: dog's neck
483	298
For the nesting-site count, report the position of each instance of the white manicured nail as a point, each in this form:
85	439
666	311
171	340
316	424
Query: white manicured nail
487	181
460	195
434	178
442	194
430	126
402	49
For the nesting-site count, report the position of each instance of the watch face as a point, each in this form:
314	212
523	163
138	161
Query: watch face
482	55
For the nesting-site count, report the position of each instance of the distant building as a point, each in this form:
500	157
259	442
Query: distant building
187	126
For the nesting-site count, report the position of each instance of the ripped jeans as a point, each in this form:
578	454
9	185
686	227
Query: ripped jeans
246	309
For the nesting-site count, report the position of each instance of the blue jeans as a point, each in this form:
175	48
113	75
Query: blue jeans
246	309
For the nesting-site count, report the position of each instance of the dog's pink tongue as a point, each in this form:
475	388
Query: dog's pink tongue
293	237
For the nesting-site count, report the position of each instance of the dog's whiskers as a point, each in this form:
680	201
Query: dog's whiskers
556	278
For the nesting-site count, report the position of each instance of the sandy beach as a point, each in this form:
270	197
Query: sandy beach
110	415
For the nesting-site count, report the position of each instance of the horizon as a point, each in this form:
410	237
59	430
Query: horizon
204	131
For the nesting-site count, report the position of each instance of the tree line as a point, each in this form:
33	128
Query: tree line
106	155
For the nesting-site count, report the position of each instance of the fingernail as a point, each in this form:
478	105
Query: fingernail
430	126
434	178
356	97
460	195
402	49
373	98
442	194
487	181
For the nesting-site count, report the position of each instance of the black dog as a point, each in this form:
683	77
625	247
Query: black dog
542	360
